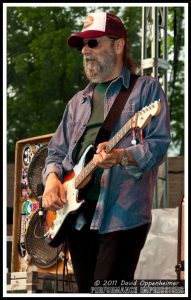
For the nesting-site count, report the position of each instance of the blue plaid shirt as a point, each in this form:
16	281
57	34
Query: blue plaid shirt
126	193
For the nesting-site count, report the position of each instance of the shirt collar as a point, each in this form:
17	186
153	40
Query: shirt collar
124	76
88	91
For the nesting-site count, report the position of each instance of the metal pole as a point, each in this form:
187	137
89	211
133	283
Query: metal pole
155	22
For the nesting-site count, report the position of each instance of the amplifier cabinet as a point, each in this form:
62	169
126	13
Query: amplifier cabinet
25	206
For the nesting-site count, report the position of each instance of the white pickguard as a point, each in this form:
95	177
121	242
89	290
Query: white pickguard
72	203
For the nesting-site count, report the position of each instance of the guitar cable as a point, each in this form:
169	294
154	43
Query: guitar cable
40	189
35	229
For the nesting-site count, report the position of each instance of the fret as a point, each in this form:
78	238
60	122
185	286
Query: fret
120	135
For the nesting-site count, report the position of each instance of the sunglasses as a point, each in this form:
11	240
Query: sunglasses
93	43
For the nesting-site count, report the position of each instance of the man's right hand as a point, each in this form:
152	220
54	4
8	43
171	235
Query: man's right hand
54	193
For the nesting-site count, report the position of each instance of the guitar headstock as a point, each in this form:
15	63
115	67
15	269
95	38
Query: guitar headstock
144	115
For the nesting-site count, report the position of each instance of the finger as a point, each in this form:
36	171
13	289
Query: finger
56	206
62	193
101	146
45	201
53	205
95	159
100	162
50	199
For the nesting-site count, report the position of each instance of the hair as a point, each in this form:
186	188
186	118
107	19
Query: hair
128	61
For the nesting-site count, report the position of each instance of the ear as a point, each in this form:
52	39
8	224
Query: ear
119	46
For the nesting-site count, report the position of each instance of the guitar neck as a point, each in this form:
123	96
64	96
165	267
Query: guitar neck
116	139
91	167
85	172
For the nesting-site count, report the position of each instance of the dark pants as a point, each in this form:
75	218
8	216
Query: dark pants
111	256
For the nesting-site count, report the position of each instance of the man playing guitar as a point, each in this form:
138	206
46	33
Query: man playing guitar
108	231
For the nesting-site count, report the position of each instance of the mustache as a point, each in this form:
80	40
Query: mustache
89	58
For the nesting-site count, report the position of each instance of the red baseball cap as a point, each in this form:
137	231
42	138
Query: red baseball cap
96	25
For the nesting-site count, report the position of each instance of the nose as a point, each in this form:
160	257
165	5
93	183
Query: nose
86	49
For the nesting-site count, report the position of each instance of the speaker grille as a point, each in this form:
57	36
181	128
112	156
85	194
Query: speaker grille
35	169
41	253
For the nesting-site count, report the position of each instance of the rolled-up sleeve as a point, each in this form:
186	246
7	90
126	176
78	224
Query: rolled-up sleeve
152	152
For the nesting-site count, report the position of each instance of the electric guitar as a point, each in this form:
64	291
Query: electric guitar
74	182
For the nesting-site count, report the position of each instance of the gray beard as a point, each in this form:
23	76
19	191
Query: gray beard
98	68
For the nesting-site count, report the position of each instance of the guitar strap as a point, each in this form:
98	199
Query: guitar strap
115	111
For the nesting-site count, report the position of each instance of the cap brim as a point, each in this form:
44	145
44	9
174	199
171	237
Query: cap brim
75	40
